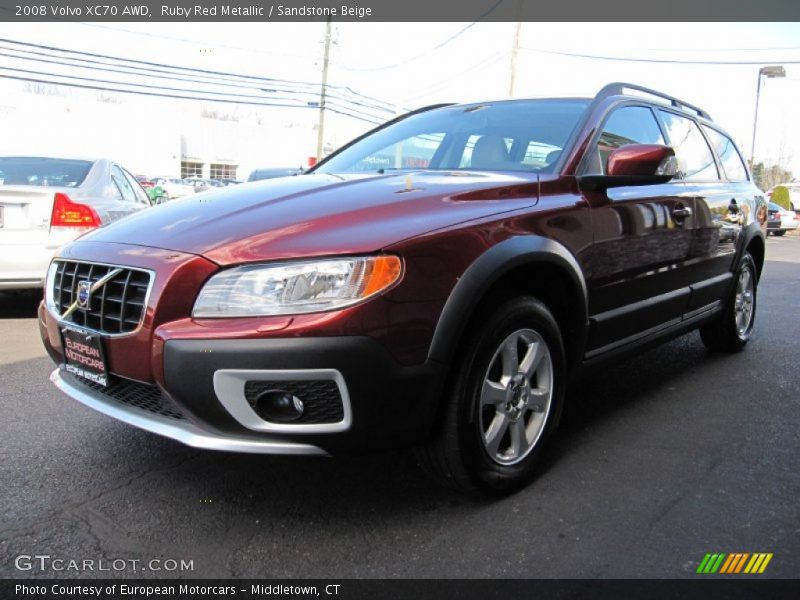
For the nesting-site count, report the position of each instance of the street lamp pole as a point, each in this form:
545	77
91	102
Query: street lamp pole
771	73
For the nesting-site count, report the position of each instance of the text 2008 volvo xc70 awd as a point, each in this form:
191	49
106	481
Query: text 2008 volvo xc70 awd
433	284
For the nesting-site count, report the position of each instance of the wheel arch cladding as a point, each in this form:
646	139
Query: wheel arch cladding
756	248
526	265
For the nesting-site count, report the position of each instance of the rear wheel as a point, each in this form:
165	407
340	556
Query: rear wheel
505	399
731	331
779	232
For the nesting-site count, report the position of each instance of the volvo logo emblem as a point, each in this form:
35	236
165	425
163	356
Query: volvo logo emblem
84	293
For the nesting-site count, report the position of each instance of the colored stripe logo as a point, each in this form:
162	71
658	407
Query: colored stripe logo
737	562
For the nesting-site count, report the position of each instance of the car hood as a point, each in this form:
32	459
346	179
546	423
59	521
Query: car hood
319	214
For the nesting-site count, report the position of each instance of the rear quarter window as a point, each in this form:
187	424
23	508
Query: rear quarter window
732	162
695	160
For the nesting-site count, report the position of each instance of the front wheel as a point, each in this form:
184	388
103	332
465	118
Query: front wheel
731	331
505	398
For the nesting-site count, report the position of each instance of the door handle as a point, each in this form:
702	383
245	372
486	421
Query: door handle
680	212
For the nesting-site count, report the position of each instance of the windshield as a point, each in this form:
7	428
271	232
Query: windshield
520	135
43	171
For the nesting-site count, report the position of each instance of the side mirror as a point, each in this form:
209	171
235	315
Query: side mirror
634	164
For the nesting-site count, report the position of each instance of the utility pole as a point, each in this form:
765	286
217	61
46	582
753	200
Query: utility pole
514	52
323	89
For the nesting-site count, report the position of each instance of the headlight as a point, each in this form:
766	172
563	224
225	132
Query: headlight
295	288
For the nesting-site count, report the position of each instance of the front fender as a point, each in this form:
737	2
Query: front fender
487	270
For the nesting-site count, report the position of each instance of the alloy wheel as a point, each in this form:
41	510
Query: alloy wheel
516	396
744	302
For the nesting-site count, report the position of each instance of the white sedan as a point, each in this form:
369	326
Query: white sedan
174	187
780	220
46	202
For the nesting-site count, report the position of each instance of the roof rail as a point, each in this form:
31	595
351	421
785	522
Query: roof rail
618	89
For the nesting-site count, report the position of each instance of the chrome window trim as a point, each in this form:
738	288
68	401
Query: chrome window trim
51	307
229	385
185	431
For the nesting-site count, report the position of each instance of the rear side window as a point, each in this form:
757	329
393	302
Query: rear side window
732	162
139	193
45	172
695	160
124	186
626	125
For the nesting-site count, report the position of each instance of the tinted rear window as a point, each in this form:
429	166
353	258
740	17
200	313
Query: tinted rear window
46	172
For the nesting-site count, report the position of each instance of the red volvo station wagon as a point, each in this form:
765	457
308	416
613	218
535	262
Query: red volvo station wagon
432	284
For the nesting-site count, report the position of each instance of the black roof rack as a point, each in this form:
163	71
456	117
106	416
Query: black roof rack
618	89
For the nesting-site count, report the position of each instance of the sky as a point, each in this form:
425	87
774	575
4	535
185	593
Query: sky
412	65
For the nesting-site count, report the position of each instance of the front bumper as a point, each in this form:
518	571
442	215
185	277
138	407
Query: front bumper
385	404
186	432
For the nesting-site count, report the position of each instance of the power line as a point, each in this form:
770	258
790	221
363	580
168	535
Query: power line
190	79
762	49
159	68
445	82
297	103
162	94
194	42
660	60
427	53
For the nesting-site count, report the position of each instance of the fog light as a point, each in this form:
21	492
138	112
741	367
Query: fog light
278	406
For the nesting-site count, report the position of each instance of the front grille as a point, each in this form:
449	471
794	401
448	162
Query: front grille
322	402
116	307
139	395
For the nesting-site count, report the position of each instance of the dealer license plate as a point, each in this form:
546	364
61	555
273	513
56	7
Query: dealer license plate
83	355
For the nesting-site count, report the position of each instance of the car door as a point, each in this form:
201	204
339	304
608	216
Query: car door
721	206
639	280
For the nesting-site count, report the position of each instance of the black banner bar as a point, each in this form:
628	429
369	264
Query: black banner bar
732	588
396	10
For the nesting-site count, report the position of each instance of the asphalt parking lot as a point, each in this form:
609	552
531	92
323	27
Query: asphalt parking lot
663	458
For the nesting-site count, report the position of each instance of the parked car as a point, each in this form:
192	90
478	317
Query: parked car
198	185
154	192
144	182
781	220
201	185
157	194
173	187
435	283
46	202
259	174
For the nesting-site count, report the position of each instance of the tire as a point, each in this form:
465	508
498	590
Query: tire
731	331
492	441
779	233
